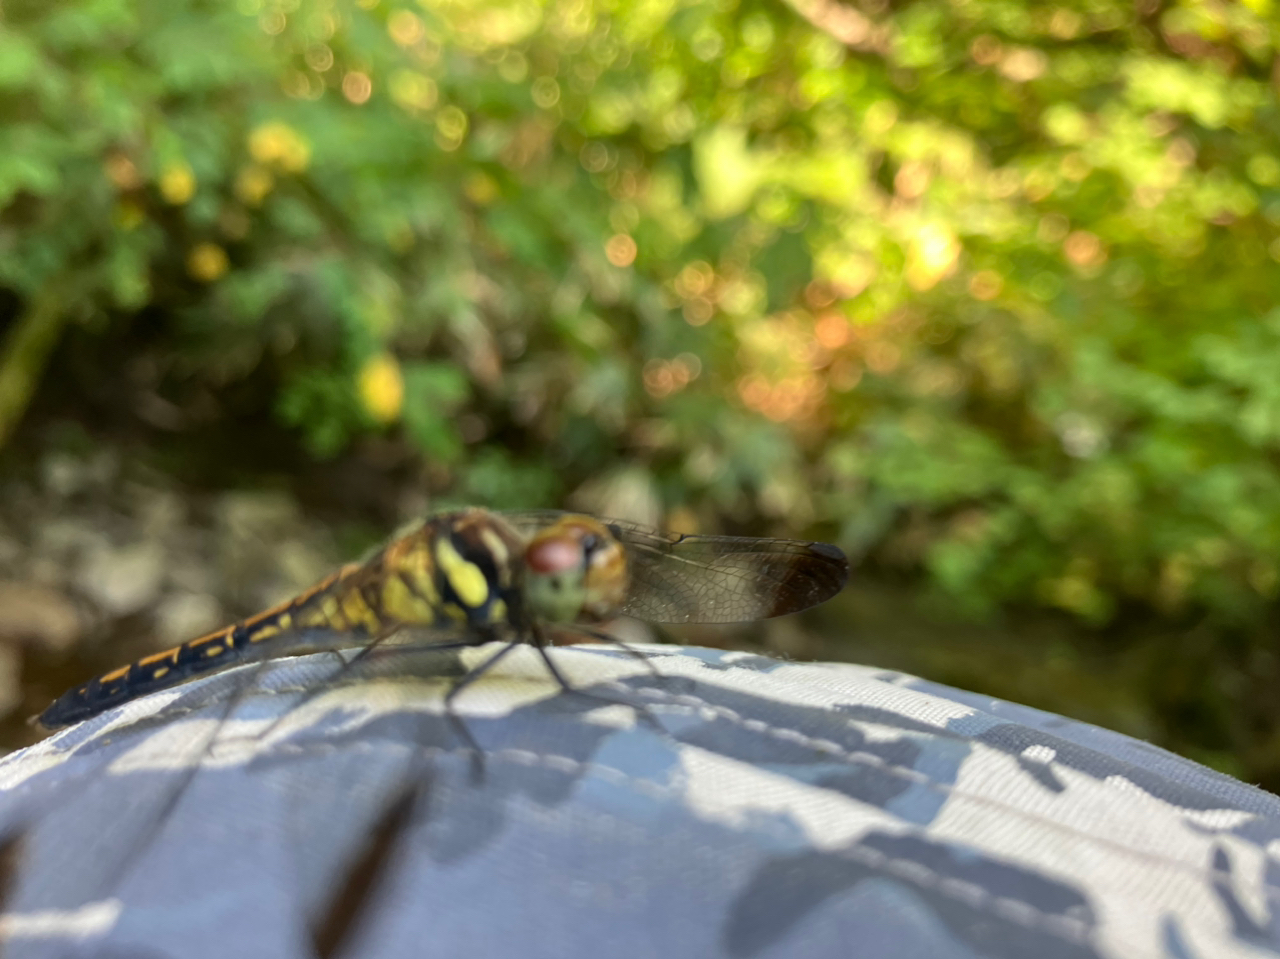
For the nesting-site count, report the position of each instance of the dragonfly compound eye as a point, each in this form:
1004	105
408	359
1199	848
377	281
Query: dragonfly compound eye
551	555
575	572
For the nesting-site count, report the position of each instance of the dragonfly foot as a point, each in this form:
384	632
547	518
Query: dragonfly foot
473	748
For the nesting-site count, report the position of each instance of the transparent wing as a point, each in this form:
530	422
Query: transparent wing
714	579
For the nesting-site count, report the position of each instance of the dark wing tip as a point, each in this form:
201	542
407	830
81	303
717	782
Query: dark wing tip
834	568
833	553
822	573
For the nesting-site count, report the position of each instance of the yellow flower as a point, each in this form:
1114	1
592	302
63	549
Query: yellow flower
381	387
177	183
278	144
206	262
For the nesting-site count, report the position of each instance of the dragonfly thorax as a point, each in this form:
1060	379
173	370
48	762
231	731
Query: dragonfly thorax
575	571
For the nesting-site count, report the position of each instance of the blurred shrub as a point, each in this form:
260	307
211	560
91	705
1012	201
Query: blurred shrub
990	287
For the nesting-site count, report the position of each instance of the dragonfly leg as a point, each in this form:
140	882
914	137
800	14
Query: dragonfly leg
349	666
460	727
604	637
641	709
346	665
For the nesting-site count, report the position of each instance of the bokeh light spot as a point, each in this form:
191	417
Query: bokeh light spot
620	250
451	128
207	262
545	92
832	331
1084	249
177	183
985	285
357	87
405	28
319	57
413	90
122	172
931	256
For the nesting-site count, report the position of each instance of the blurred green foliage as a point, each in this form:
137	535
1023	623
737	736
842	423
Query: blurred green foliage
988	288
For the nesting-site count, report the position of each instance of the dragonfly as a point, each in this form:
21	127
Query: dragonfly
487	576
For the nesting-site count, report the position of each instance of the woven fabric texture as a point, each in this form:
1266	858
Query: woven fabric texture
720	804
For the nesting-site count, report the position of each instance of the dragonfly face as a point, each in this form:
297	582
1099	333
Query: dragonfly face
575	571
478	576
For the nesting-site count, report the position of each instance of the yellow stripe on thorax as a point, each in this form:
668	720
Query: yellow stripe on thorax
466	578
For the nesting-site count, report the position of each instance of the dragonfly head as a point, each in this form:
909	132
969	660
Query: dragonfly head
575	571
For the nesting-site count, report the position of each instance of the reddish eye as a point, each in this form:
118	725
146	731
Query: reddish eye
553	556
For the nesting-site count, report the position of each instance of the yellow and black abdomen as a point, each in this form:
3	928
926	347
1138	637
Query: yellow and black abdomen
268	633
152	673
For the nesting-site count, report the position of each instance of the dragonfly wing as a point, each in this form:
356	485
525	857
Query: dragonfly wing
715	579
726	579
